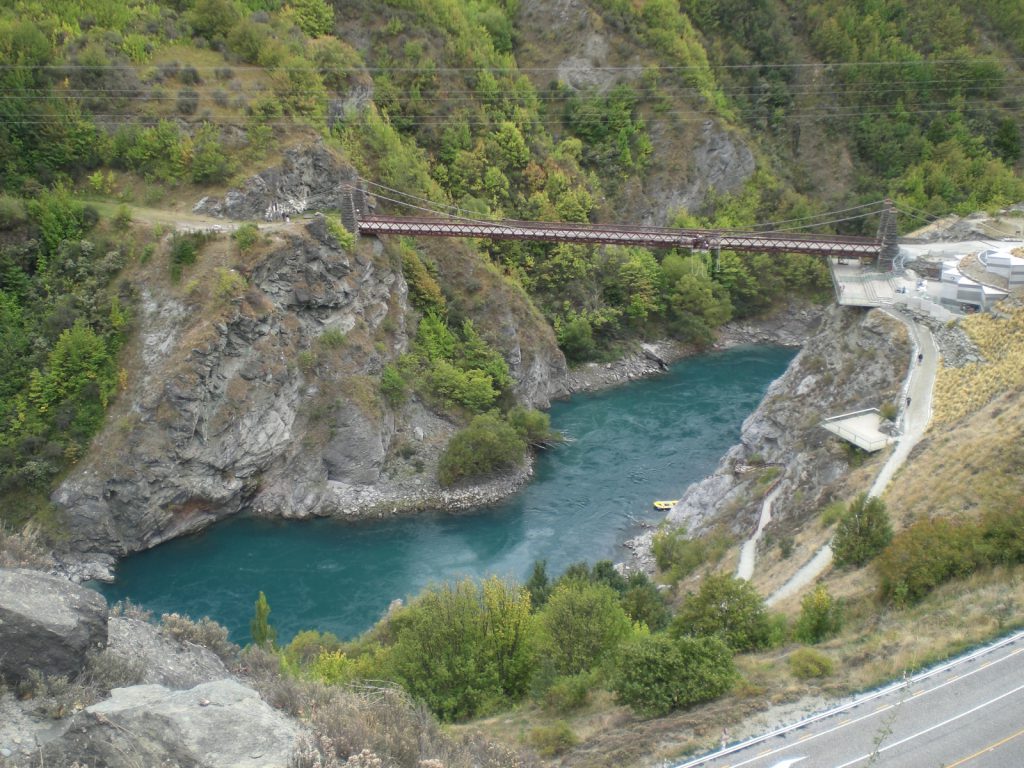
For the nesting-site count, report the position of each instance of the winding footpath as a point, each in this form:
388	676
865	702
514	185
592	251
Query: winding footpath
915	418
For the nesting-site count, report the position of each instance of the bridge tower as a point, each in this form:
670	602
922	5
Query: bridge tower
889	237
353	205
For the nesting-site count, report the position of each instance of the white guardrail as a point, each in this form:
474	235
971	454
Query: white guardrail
891	688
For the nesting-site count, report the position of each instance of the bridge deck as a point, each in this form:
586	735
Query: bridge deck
653	237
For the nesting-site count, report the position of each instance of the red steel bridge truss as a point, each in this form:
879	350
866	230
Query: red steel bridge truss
879	249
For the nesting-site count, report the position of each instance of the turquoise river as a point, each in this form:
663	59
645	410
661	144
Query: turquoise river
630	445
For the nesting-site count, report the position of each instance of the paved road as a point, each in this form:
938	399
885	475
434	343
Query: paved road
967	713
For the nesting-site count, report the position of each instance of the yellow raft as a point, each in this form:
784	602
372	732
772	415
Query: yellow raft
665	504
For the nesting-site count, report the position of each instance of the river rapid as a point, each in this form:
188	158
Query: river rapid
630	445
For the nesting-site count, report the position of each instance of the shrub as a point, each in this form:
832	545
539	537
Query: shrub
464	649
533	426
863	532
821	616
727	607
12	212
229	284
472	388
583	625
246	236
677	555
552	740
205	632
644	603
576	338
925	555
123	217
392	385
188	101
888	411
332	338
345	239
808	663
184	249
486	446
569	692
424	291
658	674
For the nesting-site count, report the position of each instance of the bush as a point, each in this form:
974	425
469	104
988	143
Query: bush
583	624
925	555
464	649
729	608
576	338
677	555
123	217
12	212
205	632
392	385
658	674
424	291
863	532
184	250
345	239
643	602
229	284
246	236
552	740
821	616
486	446
188	101
808	663
569	692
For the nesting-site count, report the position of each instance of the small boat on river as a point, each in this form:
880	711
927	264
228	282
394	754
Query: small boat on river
665	504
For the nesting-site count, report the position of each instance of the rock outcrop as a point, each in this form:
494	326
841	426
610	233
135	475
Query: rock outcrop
161	659
47	624
310	178
856	360
269	399
209	726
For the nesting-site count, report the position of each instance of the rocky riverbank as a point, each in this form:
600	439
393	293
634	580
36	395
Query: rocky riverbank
856	359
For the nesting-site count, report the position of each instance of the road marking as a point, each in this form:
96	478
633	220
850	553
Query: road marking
931	728
989	748
885	691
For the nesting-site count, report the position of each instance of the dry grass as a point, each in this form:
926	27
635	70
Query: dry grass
976	466
962	391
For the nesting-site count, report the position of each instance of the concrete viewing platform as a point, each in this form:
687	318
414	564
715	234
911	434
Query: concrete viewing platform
860	428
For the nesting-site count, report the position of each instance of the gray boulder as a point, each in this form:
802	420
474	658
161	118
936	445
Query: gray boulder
213	725
163	660
47	624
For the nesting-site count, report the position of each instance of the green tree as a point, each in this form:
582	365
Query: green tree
584	625
658	674
213	19
576	338
488	445
538	584
821	616
643	602
314	17
464	649
263	635
727	607
863	531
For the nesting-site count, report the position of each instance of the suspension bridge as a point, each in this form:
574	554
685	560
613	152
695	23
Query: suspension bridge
880	250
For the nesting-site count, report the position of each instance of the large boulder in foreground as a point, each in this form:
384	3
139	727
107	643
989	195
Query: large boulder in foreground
47	624
216	724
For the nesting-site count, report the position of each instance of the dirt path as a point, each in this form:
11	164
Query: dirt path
748	554
916	414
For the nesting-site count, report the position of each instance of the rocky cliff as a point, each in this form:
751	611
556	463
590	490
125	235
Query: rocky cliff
263	393
857	359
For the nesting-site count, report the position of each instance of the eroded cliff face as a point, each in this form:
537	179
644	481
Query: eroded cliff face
857	359
268	399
